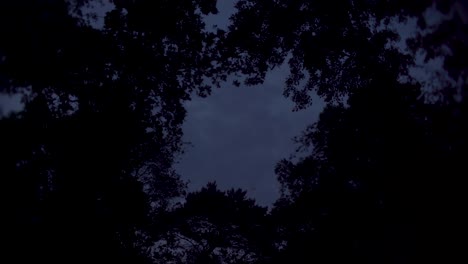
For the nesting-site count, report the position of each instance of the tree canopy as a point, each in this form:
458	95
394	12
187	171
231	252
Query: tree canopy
92	152
87	164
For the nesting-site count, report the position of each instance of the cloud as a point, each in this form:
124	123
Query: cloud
239	133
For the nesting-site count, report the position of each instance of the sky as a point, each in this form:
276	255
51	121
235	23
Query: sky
238	134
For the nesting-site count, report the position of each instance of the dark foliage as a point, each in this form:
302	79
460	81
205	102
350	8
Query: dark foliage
87	165
216	226
382	181
90	156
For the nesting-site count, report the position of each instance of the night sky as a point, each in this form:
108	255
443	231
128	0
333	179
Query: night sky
239	133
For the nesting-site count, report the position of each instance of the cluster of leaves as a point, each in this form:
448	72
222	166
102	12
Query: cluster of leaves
330	47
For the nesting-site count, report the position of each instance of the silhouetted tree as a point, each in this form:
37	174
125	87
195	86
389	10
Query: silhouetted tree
446	39
330	47
216	226
382	182
382	171
90	156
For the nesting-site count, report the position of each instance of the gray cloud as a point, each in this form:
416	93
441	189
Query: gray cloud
9	104
239	133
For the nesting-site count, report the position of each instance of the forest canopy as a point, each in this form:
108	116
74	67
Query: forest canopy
87	163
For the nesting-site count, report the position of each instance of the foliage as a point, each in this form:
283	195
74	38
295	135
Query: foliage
87	165
90	156
215	226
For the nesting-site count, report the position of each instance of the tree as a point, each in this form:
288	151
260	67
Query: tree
447	40
366	192
381	174
216	226
331	48
90	156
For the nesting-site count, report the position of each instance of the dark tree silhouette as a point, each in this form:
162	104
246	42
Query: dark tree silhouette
216	226
90	156
384	162
447	39
87	164
330	47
